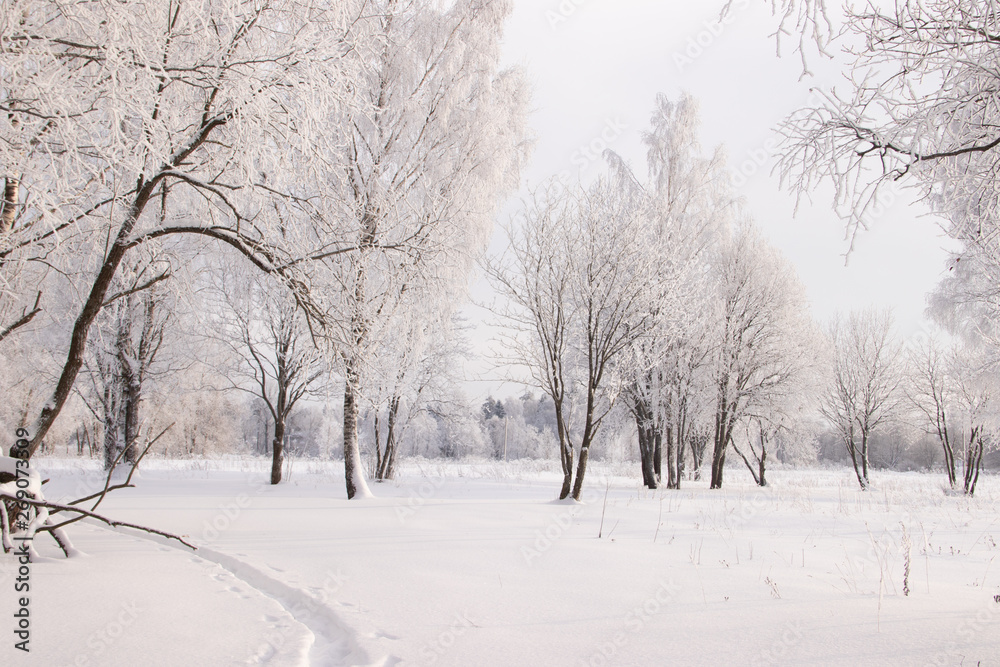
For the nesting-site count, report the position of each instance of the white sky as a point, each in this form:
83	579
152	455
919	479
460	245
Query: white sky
596	65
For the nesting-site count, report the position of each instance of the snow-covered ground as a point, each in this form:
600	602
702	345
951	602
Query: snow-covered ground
476	565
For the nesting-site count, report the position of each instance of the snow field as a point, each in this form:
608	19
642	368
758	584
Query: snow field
475	564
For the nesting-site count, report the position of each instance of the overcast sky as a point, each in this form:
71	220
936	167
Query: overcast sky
596	67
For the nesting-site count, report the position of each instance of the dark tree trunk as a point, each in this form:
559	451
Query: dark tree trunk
647	447
589	430
864	458
385	459
657	452
565	452
949	451
762	480
8	212
973	461
277	451
723	435
949	463
131	391
852	450
720	442
581	471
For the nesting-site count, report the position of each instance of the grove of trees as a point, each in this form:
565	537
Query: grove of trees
237	225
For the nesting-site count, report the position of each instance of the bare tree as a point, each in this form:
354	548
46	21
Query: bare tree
413	372
139	321
536	278
579	299
932	394
975	381
762	340
806	22
686	203
866	384
278	362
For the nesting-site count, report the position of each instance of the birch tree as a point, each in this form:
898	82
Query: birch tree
932	393
124	359
762	344
865	389
687	204
440	136
976	386
416	367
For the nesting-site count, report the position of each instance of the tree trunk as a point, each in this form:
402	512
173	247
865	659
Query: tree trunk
698	447
565	453
762	481
376	471
351	452
647	448
385	459
949	454
852	450
111	426
864	455
8	212
131	390
277	450
657	452
723	431
750	467
673	470
720	442
354	475
581	471
973	461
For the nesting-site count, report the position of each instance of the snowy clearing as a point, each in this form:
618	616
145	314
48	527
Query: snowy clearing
475	564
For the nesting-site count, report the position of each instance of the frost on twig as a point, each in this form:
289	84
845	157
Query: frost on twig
806	22
919	110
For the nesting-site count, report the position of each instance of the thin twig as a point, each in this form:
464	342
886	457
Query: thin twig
111	522
600	530
107	487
